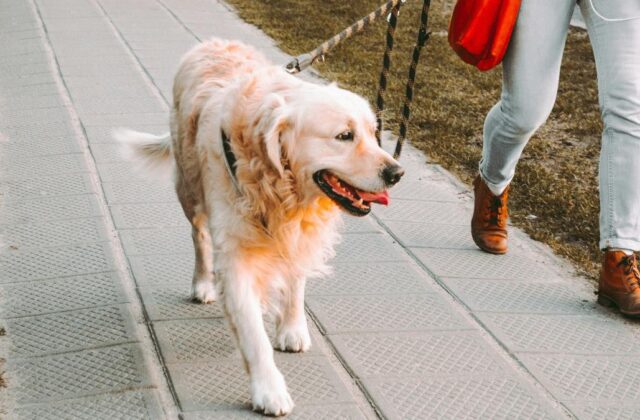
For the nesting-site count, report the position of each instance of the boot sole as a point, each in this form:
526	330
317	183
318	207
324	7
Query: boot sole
607	302
489	250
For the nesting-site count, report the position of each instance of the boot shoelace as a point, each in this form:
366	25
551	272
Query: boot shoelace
629	264
496	213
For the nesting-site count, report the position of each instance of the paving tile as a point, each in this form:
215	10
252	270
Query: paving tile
424	354
156	215
104	133
43	166
38	130
604	410
107	152
360	225
69	331
117	106
384	313
167	303
312	412
36	101
54	233
368	248
18	266
131	120
56	185
521	296
78	78
140	192
425	212
106	66
120	172
423	189
197	340
206	340
125	405
53	10
587	378
311	380
475	397
477	264
64	294
562	333
27	90
163	270
70	375
371	278
49	209
429	235
157	241
22	149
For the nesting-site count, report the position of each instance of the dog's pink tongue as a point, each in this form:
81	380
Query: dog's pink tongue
380	198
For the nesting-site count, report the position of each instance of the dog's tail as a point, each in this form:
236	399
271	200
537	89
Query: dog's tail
149	152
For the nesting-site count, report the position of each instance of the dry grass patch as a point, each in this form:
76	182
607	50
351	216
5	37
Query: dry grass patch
554	193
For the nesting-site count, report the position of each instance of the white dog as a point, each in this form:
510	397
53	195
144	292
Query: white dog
265	212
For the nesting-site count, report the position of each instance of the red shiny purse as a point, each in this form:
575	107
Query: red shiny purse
480	30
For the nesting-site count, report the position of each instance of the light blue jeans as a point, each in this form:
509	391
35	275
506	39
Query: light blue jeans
531	71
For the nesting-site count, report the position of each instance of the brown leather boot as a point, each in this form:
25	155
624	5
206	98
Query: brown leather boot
620	283
489	222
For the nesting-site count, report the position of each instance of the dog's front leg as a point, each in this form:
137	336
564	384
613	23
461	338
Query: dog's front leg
242	304
292	331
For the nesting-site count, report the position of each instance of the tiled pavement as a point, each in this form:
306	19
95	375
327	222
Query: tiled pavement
96	263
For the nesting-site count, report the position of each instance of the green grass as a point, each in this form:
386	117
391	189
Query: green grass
556	177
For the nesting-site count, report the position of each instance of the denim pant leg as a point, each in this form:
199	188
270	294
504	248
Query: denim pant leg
616	46
531	70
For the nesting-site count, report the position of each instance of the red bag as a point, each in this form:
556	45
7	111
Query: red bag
480	30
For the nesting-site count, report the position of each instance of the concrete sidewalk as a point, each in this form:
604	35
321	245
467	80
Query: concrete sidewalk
96	264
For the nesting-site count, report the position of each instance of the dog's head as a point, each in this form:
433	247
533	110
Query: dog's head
326	137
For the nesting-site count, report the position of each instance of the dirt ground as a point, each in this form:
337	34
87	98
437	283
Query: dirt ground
554	195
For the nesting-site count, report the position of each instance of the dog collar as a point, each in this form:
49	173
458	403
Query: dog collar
229	159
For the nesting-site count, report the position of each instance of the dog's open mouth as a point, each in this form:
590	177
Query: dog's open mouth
353	200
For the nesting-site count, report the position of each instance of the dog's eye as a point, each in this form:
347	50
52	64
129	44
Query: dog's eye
345	136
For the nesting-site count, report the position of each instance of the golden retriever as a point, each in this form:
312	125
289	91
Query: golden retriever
265	215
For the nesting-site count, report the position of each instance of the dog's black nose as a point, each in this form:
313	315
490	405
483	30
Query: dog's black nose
392	174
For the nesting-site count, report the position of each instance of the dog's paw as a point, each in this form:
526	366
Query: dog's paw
293	338
269	395
204	292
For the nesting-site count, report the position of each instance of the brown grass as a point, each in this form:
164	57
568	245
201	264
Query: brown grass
556	178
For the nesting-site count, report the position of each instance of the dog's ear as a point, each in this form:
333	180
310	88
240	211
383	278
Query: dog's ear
273	119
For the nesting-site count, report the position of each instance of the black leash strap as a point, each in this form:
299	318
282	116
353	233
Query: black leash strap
386	64
423	35
303	61
229	159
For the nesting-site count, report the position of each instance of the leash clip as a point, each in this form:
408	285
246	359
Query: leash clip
299	63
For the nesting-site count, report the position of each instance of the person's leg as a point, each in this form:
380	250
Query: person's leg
616	46
531	70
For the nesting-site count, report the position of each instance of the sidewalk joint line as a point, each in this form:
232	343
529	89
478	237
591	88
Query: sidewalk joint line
327	340
177	19
145	74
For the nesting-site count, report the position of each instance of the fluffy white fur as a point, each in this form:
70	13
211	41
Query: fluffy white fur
266	240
